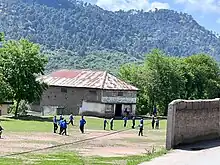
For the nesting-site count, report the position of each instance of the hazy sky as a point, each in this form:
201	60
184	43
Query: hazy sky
205	12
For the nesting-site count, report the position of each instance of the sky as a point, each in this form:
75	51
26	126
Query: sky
205	12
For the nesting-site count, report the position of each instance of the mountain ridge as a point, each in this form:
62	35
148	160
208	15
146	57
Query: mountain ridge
82	30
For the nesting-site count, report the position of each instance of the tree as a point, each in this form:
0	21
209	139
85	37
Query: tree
20	63
162	79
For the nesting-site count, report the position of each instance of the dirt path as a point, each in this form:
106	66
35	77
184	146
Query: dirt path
121	144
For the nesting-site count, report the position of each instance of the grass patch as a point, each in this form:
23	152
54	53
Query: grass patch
45	124
72	158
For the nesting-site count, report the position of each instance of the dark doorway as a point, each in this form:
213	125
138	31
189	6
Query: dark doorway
118	110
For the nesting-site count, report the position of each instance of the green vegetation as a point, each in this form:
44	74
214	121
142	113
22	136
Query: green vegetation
84	30
67	158
20	64
162	79
32	124
44	124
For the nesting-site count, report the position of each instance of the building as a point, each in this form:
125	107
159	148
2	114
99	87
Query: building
86	92
4	107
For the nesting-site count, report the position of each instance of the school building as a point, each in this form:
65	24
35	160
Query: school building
4	107
86	92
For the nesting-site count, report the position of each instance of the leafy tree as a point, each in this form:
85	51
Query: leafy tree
21	62
162	79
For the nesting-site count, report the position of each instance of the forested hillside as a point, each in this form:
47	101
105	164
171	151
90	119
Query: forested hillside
88	36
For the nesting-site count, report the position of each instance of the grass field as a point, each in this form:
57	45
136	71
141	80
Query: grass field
28	134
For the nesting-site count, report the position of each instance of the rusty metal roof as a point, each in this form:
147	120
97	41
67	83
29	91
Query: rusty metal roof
85	79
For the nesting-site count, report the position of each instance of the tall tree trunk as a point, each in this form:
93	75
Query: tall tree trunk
17	105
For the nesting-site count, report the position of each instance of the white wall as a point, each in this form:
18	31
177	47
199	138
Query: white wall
93	107
4	109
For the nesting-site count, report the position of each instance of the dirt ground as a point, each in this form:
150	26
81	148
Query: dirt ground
120	144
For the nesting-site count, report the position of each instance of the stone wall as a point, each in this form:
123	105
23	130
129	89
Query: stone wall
190	121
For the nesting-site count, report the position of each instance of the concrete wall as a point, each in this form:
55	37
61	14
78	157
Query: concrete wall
69	98
91	108
190	121
4	109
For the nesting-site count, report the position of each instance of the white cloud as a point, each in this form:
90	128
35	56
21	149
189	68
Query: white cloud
115	5
201	5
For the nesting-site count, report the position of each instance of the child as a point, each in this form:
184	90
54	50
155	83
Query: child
105	123
111	123
61	125
133	122
82	123
61	117
55	126
141	126
64	127
157	123
153	122
125	121
71	119
1	130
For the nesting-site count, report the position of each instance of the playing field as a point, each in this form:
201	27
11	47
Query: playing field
32	141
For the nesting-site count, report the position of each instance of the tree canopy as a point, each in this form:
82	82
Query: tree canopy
162	79
74	30
20	64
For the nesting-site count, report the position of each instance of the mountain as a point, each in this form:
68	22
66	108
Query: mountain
77	35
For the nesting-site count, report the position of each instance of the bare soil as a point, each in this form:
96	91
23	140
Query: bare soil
120	144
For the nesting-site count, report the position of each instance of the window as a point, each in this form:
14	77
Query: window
120	93
64	90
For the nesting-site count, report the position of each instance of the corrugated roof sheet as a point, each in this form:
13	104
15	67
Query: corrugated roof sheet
85	79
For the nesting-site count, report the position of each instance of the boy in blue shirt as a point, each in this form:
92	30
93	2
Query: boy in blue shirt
61	125
82	123
71	119
55	126
105	123
125	121
64	127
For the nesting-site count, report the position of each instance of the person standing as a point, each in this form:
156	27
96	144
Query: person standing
125	121
133	122
61	125
153	122
157	123
1	130
82	123
55	126
64	127
61	117
111	123
71	119
141	127
105	123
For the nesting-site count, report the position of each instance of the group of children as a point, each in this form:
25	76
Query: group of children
125	119
62	123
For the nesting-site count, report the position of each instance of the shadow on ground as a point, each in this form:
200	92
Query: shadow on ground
32	118
203	145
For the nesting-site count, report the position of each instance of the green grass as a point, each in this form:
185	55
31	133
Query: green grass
45	124
71	158
37	124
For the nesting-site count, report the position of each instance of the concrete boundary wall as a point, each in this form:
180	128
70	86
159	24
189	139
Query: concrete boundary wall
189	121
